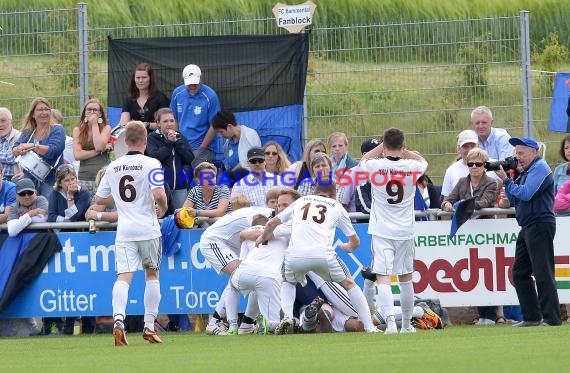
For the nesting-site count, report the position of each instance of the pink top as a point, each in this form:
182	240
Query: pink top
562	199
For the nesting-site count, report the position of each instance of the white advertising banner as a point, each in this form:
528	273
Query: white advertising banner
475	267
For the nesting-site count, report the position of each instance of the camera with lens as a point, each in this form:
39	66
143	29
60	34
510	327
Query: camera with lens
509	163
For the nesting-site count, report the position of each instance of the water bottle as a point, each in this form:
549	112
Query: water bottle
77	327
92	227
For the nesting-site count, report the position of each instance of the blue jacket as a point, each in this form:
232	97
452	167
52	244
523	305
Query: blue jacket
532	194
194	113
7	195
58	205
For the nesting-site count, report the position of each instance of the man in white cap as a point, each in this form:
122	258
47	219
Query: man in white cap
194	105
466	140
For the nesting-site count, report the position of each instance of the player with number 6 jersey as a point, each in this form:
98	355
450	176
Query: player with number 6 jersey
129	184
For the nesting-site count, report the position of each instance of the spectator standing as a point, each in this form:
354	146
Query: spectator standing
256	183
194	105
8	136
171	148
47	140
301	168
495	141
91	143
561	171
532	195
144	98
68	157
352	182
7	196
338	150
276	161
239	139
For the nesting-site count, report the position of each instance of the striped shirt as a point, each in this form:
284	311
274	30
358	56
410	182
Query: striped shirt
220	192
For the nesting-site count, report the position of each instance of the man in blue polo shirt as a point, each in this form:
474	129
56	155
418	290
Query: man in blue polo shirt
194	105
532	195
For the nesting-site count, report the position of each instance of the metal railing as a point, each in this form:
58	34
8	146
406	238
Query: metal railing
424	77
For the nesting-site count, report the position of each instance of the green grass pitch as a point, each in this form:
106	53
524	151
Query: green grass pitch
458	348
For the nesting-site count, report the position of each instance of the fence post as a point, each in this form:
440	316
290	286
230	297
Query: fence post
83	54
526	79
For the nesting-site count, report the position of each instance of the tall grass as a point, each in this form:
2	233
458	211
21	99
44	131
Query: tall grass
546	15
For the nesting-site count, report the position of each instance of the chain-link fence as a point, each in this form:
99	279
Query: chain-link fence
423	77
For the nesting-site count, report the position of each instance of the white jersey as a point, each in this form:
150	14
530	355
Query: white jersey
393	190
228	227
264	260
128	181
314	221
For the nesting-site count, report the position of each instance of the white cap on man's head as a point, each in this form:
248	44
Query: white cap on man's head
191	74
467	136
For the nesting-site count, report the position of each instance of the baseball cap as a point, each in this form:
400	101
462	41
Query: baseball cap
524	141
255	153
191	74
368	145
467	136
25	184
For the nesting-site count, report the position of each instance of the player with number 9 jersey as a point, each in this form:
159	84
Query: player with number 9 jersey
393	189
129	180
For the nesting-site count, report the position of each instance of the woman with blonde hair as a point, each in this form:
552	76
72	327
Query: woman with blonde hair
207	198
45	139
302	167
276	160
91	143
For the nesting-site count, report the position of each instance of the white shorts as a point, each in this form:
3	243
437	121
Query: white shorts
392	257
218	254
268	292
330	269
131	256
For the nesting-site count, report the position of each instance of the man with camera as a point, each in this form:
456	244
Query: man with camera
532	195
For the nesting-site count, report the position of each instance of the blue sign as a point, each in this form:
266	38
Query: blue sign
79	279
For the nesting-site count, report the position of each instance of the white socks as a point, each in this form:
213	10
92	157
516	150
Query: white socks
288	292
120	299
151	302
407	302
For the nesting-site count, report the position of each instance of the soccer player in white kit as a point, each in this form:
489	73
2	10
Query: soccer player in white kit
259	274
139	202
393	177
220	245
314	221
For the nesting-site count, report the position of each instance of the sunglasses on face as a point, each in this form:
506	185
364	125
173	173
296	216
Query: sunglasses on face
271	153
475	164
26	193
257	161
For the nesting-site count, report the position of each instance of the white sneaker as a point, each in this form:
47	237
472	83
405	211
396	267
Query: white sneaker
408	330
284	325
374	330
217	329
248	330
391	328
485	322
